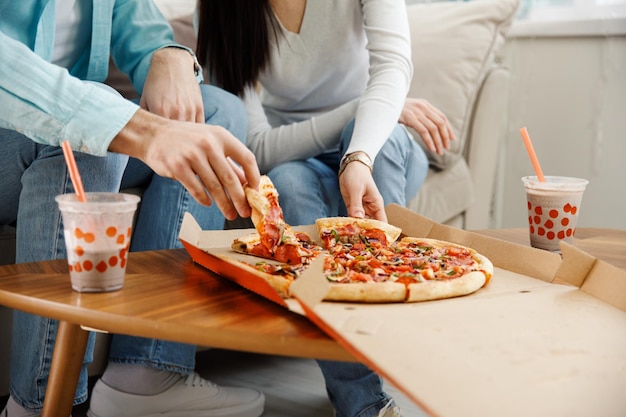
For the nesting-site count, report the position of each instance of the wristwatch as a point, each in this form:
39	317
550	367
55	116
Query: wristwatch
359	156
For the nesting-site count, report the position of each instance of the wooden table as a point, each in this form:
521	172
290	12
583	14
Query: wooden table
167	296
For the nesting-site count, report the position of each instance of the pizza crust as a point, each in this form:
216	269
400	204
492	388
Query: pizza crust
279	283
243	244
258	199
435	290
367	292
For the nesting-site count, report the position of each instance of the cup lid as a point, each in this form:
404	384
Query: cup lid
557	183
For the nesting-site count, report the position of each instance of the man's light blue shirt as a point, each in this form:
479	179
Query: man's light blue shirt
50	104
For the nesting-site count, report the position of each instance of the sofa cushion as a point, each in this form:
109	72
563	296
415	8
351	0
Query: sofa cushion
454	44
184	34
174	9
445	194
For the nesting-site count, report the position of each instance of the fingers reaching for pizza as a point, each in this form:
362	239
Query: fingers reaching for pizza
360	193
274	239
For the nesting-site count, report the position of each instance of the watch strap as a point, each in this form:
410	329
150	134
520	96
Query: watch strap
361	157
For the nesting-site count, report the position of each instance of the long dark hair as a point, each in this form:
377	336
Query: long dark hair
234	41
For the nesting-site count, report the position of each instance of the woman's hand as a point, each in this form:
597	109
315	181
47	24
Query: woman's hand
360	193
431	124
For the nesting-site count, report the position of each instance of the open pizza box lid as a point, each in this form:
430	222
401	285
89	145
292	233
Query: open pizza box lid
546	337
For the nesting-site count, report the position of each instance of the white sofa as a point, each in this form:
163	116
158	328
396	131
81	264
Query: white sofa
456	67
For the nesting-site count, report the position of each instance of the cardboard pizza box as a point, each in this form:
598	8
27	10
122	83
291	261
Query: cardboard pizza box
546	337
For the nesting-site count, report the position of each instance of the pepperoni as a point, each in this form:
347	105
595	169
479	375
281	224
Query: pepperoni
303	237
270	237
288	254
407	279
376	234
359	277
260	250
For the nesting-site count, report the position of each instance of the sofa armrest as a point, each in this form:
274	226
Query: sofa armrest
488	129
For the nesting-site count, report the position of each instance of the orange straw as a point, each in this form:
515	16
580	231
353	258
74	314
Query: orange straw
532	154
74	174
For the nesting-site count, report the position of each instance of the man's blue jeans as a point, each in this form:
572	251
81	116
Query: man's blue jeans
31	175
309	190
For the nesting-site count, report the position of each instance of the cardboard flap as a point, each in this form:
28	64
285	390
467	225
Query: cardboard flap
312	286
529	261
593	276
607	283
190	230
519	346
575	266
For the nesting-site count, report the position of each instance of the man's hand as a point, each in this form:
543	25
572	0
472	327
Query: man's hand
202	160
171	89
431	124
360	193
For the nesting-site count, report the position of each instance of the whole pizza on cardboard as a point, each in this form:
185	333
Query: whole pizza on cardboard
365	260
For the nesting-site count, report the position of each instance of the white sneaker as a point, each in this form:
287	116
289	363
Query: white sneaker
191	397
390	410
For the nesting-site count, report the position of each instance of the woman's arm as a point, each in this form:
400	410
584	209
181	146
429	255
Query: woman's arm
389	47
273	146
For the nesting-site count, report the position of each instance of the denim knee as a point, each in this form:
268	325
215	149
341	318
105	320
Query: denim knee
224	109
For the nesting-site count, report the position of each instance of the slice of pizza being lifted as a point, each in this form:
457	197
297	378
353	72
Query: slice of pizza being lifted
274	239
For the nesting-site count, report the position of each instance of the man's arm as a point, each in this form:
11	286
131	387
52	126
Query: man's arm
171	89
201	161
45	103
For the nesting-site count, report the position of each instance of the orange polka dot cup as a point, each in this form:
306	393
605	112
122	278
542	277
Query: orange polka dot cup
553	208
97	237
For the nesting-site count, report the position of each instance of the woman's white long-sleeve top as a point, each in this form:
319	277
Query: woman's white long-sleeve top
351	58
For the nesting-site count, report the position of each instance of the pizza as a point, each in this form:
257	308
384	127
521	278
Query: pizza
274	239
365	260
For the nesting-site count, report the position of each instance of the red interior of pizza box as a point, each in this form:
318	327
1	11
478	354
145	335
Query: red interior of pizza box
546	337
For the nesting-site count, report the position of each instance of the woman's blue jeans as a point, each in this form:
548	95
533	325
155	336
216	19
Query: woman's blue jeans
31	175
309	190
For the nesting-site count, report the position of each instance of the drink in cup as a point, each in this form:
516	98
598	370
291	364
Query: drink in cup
553	208
97	237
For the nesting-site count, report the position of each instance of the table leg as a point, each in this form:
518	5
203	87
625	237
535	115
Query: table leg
67	361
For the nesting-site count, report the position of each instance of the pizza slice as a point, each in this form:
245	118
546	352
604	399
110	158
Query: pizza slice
355	264
363	267
351	230
274	239
296	250
445	269
267	215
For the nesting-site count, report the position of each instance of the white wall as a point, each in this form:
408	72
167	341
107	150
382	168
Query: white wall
569	90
